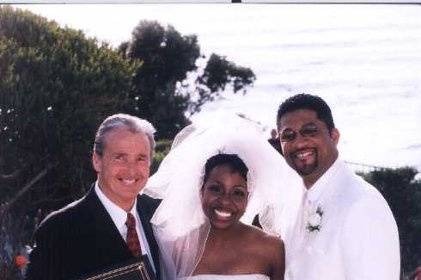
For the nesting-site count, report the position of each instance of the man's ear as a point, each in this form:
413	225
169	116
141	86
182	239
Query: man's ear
334	134
96	162
278	130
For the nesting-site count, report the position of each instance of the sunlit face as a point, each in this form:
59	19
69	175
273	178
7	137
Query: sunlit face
123	169
224	197
307	144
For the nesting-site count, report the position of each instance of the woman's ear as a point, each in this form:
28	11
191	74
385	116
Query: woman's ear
201	191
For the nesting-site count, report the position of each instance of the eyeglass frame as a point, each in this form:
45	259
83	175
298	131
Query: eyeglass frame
308	130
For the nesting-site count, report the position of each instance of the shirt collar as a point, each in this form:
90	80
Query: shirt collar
118	215
324	182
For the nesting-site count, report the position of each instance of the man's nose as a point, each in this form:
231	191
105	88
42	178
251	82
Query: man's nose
131	167
301	141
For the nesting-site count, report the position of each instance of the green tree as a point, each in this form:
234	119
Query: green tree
56	86
166	89
218	73
403	193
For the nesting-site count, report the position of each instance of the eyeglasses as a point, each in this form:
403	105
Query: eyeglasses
236	194
307	130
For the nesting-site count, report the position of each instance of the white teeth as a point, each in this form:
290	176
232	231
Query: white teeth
223	214
128	182
302	155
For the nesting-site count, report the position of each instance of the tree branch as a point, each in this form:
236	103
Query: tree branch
28	186
11	176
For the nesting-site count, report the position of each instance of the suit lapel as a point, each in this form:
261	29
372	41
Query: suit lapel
107	233
328	201
108	243
145	213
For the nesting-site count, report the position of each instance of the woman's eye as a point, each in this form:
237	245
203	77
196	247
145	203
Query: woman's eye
215	189
239	193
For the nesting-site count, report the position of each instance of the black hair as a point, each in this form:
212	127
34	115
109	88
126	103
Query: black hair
232	160
309	102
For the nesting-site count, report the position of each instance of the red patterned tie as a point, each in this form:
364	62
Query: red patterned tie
132	239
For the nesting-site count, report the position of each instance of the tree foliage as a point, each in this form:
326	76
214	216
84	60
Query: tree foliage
55	88
218	73
164	88
403	193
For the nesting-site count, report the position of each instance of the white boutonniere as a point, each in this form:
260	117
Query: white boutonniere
315	220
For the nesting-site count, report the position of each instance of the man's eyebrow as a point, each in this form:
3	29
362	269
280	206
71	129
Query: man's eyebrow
118	153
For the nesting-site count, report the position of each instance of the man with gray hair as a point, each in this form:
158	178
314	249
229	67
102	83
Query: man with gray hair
109	226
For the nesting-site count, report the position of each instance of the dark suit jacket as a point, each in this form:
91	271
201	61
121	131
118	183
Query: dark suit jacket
81	239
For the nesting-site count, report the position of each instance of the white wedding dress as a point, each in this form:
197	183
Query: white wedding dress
227	277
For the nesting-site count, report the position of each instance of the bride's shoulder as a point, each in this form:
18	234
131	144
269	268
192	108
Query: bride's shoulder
263	239
268	248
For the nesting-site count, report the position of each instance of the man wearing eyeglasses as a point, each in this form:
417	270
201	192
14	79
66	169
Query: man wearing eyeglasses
344	227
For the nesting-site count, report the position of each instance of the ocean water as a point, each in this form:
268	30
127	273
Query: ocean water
364	60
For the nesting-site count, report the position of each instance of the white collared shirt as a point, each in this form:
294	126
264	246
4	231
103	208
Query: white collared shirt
357	238
320	188
119	217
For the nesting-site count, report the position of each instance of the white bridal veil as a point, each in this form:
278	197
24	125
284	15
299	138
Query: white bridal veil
180	227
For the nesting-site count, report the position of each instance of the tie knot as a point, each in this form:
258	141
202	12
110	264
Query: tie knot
130	222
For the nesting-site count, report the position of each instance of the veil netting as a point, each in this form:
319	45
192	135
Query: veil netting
180	226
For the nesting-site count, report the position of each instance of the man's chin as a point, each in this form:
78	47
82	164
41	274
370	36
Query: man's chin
128	195
306	170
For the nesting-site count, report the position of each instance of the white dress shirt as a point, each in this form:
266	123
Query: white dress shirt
119	217
357	236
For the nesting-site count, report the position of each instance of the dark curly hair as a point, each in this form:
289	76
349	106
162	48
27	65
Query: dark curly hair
232	160
309	102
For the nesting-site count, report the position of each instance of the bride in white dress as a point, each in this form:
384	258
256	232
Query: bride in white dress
211	178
